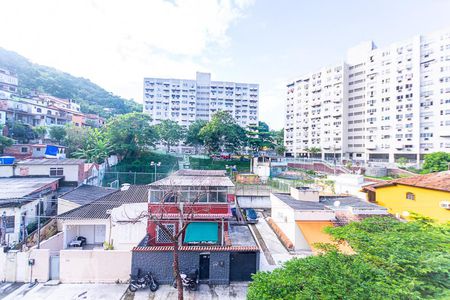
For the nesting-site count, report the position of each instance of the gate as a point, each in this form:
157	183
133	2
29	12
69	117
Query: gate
242	266
54	267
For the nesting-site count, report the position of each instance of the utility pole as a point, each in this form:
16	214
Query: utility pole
39	225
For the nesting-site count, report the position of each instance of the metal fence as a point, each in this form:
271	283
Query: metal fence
116	179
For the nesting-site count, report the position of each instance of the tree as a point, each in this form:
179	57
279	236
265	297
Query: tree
436	162
169	133
96	148
5	142
21	132
402	161
393	260
130	134
192	137
312	151
260	137
41	131
76	138
222	133
57	133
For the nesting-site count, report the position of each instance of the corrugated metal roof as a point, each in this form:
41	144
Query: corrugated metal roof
85	194
98	209
18	187
51	161
188	172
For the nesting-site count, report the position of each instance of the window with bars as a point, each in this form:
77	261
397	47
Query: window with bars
162	236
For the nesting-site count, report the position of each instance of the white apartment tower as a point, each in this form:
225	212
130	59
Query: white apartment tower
186	101
377	106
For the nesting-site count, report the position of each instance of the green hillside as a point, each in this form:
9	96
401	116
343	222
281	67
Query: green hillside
92	98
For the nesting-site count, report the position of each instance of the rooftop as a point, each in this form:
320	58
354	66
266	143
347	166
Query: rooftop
298	204
436	181
18	187
195	178
328	203
240	235
51	161
97	209
189	172
85	194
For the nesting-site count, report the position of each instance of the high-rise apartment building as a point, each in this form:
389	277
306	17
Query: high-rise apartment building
378	105
186	101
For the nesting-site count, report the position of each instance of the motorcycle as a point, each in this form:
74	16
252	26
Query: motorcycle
139	281
189	281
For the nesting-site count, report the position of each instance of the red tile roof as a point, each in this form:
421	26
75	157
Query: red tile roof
436	181
196	248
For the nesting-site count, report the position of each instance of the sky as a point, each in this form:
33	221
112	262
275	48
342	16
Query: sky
116	43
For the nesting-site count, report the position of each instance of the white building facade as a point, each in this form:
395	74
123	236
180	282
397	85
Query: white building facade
186	101
377	106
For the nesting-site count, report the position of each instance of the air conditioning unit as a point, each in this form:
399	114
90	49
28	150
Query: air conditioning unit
445	204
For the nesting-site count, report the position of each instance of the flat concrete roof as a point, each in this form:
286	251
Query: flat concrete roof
240	235
18	187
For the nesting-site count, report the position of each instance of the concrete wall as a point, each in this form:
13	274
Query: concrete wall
253	201
6	170
128	235
95	266
14	266
160	265
55	243
71	172
65	205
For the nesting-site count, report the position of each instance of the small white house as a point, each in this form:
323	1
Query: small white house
21	200
110	219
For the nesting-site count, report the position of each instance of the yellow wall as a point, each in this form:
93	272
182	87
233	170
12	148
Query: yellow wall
426	201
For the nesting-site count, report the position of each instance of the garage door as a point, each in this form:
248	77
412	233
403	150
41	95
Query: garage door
242	266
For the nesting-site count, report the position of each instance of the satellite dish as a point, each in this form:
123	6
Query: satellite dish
337	203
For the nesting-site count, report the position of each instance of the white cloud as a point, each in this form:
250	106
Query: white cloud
116	43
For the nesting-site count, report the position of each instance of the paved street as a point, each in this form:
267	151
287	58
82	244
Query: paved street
119	292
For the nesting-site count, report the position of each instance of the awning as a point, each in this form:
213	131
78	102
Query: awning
202	232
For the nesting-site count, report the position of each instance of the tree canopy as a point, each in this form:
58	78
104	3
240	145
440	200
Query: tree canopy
5	142
222	133
436	162
169	133
393	260
192	137
260	137
57	133
130	134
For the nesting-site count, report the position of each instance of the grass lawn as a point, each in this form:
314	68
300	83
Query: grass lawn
210	164
169	163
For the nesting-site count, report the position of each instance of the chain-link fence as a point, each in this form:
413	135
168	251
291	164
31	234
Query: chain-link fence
116	179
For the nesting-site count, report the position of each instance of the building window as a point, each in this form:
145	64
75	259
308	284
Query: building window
8	222
24	149
410	196
162	236
56	171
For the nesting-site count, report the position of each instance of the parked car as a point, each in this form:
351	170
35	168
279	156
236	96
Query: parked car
78	241
251	215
